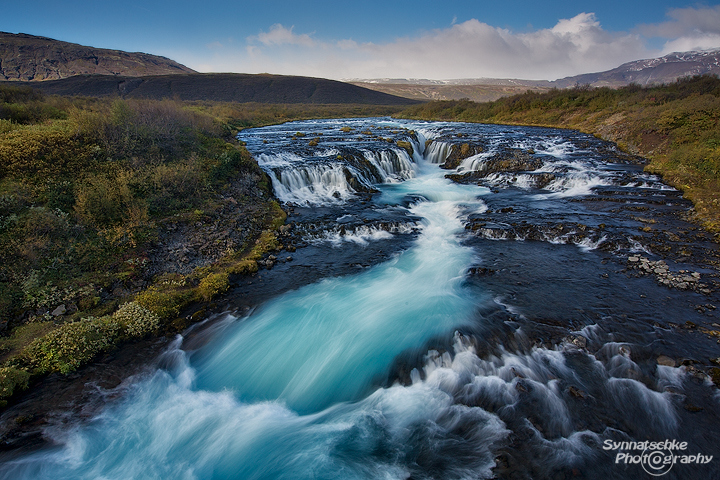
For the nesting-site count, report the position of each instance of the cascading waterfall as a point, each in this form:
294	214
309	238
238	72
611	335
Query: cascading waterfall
437	151
392	165
320	180
474	162
312	184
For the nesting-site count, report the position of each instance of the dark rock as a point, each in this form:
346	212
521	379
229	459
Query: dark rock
458	153
577	340
577	393
512	160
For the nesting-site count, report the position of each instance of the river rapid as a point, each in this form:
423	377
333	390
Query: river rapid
477	301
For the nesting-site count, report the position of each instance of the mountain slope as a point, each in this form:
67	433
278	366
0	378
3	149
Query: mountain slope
221	87
29	58
651	71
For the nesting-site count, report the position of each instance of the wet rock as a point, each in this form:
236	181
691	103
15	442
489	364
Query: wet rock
512	160
458	153
59	311
542	180
714	374
690	407
665	361
577	393
577	340
480	271
682	280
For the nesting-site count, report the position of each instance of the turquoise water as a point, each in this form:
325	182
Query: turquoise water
292	391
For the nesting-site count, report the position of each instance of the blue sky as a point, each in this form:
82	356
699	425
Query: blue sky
372	38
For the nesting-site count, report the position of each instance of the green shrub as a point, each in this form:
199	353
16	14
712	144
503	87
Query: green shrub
212	285
166	304
137	320
7	126
12	380
72	345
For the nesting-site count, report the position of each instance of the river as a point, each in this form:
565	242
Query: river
520	319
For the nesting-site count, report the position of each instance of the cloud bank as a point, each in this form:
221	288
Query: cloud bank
688	29
471	49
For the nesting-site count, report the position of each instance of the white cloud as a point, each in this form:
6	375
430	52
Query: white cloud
701	41
470	49
279	35
688	29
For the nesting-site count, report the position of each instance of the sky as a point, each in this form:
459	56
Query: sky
438	39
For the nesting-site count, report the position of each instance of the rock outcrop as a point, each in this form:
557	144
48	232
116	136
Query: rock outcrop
511	160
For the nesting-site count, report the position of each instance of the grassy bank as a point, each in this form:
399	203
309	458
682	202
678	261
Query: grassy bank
89	187
675	126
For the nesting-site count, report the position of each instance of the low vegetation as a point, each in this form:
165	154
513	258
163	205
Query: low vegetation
676	126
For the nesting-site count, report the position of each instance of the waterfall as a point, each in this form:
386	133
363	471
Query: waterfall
312	184
392	165
437	152
329	177
450	357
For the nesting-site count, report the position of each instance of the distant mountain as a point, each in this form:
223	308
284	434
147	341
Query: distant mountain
221	87
29	58
665	69
485	92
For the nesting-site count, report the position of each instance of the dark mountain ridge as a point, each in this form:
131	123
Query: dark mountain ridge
221	87
26	57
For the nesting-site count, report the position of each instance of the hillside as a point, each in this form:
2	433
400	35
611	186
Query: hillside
220	87
29	58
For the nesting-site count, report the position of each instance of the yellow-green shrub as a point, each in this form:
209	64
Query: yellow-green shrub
245	266
12	380
212	285
137	320
71	345
166	304
44	151
104	200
